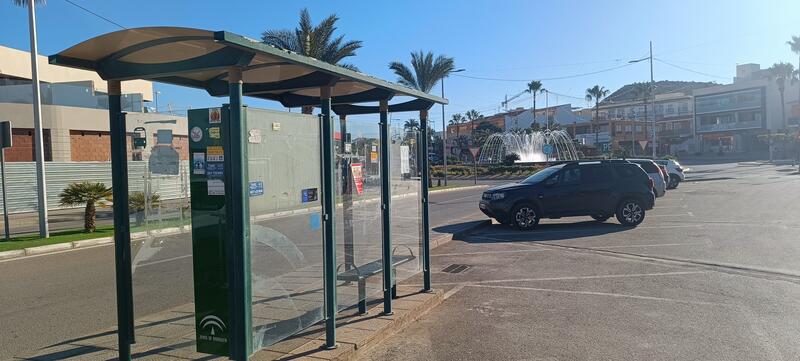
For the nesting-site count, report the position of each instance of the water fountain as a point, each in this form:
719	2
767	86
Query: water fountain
529	147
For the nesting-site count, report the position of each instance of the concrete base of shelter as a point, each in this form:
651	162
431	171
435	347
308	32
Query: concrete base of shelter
170	335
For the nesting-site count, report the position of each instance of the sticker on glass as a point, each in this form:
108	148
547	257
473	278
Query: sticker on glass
215	170
214	116
198	163
256	188
197	134
216	187
308	195
213	132
215	153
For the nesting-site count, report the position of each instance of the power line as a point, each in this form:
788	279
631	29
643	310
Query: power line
95	14
547	79
690	70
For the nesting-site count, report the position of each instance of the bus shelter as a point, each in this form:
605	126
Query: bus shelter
250	166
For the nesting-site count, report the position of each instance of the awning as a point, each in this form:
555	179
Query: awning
201	59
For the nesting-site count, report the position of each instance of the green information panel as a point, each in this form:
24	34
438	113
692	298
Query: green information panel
209	235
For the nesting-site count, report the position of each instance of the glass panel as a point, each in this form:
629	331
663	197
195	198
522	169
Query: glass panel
406	197
285	224
161	251
358	219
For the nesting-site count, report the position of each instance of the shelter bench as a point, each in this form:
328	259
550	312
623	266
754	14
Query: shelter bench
361	273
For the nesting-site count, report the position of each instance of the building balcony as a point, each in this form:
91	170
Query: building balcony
723	127
675	133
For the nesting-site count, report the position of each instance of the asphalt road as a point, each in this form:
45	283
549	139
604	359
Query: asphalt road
711	274
51	298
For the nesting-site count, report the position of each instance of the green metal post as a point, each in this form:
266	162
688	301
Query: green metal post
122	236
386	200
347	197
328	206
426	237
238	211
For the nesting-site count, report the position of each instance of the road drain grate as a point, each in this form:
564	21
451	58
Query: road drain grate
456	268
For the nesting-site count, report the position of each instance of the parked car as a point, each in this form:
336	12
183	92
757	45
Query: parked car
675	172
652	170
598	189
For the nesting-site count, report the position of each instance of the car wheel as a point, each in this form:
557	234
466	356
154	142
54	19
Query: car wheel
600	217
524	217
673	181
630	212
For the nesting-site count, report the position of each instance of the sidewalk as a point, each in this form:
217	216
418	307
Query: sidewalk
170	334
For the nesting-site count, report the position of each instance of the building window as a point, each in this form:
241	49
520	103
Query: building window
619	128
627	128
638	128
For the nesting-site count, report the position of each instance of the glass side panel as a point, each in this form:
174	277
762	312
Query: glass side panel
161	251
406	198
358	213
283	154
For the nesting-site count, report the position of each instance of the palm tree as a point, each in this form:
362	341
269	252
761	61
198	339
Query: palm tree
782	72
315	41
795	45
457	120
472	117
427	71
411	125
85	193
534	87
44	232
596	94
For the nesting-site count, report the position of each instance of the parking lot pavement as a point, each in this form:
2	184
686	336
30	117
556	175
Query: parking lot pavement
711	274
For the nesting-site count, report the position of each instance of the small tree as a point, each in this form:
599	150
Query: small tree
88	194
510	158
137	202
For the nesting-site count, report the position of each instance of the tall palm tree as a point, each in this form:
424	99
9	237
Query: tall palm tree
534	87
315	41
44	232
411	125
472	117
795	45
456	121
596	94
427	70
782	72
86	194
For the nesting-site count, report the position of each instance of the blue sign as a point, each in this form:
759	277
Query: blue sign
547	149
256	188
215	170
315	221
308	195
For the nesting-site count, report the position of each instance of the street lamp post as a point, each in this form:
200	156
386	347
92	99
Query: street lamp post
652	96
444	131
41	182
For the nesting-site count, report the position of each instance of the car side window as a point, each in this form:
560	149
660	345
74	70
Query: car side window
570	176
624	172
596	173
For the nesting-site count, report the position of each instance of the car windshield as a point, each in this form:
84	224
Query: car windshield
541	175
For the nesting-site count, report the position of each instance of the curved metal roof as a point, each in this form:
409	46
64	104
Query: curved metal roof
201	59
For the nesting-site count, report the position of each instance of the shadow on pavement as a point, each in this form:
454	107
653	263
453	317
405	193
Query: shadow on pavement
544	232
461	231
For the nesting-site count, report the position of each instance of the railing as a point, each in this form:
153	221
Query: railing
729	126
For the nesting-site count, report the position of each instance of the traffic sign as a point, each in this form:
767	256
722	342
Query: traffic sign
547	149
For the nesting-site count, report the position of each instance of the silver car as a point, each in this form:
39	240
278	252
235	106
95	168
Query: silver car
652	170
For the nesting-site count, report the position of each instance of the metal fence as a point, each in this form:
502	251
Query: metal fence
22	190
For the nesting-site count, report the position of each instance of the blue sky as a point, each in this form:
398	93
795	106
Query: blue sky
514	40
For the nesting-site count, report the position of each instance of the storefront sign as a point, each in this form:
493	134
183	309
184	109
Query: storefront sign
358	179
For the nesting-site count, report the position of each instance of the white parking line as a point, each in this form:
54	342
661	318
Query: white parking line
652	245
489	252
591	293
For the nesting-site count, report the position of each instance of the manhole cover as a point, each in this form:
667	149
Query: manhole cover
456	268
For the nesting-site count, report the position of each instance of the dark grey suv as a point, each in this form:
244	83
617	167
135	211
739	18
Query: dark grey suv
598	189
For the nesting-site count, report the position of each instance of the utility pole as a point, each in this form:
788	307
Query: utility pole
653	97
41	184
444	131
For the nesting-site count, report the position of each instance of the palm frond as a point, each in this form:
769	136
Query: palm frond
26	2
405	76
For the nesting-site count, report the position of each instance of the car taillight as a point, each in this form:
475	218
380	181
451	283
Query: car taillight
651	183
